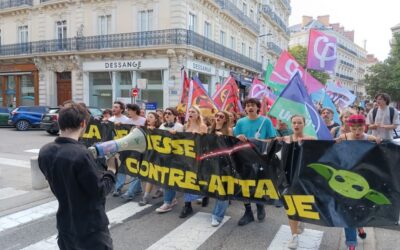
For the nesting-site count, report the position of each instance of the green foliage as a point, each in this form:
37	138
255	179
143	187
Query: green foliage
300	53
385	76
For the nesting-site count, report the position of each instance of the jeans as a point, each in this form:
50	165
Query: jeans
219	209
134	187
351	236
120	181
169	195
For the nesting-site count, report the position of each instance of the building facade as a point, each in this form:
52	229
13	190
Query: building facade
97	51
351	64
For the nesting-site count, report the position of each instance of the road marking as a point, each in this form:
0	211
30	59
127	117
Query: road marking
15	163
34	151
190	234
9	192
28	215
308	240
115	216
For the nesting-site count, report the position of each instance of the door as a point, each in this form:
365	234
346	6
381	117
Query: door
63	87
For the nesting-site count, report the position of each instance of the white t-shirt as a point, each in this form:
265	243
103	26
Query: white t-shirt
122	119
177	127
383	117
140	121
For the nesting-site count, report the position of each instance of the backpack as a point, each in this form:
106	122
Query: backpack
375	111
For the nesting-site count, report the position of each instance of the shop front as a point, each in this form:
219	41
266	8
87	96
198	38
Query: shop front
19	85
111	80
205	72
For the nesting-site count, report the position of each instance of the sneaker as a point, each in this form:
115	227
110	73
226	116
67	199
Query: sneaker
214	222
159	193
145	200
294	242
164	208
352	247
186	210
127	197
116	193
260	212
246	218
300	228
361	233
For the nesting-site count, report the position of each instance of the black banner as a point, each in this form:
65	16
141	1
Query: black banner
347	184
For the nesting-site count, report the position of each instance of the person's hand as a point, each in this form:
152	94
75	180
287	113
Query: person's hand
113	163
218	133
242	138
279	139
378	140
172	131
373	126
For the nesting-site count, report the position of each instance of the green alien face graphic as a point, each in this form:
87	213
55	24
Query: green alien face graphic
349	184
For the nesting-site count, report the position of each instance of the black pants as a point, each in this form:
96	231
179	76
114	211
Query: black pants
100	240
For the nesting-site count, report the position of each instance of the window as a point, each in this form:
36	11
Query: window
250	52
145	20
233	43
222	37
244	8
207	30
192	22
104	25
61	33
243	48
23	34
252	15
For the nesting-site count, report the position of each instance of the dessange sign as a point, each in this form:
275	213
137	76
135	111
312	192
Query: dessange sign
124	65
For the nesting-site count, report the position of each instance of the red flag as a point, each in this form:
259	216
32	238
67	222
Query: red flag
185	93
227	97
199	97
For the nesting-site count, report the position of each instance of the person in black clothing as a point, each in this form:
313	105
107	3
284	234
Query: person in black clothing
78	184
327	116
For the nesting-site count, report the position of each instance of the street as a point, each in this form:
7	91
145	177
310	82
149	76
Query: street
27	216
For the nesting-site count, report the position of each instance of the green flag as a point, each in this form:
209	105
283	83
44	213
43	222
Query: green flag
275	87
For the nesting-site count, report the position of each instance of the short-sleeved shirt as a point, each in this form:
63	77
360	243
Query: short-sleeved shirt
122	119
383	117
249	128
177	127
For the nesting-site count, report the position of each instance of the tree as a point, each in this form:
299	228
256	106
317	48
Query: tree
300	53
385	76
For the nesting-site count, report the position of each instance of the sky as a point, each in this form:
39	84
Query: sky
370	19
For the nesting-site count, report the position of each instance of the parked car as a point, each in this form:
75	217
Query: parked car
49	120
4	115
25	117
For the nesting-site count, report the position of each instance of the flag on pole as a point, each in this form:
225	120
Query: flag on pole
340	96
294	99
321	51
199	97
226	98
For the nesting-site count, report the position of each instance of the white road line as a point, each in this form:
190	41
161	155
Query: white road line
308	240
115	216
9	192
34	151
190	234
28	215
15	163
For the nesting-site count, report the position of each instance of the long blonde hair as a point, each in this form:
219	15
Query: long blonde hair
225	127
199	120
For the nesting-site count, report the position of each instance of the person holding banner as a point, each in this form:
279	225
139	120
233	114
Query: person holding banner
327	116
220	126
194	124
78	184
152	121
298	123
171	124
253	126
356	124
344	128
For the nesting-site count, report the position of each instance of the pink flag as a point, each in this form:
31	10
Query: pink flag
321	51
287	67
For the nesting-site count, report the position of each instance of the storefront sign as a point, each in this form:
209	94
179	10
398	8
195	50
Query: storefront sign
126	65
223	73
201	67
151	106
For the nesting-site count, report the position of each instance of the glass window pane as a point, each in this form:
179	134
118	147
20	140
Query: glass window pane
100	89
27	90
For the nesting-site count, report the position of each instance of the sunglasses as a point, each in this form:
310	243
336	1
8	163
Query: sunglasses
219	116
168	113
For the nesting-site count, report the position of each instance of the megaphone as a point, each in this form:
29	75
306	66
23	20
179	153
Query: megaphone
135	140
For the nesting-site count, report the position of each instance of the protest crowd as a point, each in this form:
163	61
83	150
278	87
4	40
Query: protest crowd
298	112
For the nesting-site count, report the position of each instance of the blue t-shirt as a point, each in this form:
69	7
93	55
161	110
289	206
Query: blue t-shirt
249	128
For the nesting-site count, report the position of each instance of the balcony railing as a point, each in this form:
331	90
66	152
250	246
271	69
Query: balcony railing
171	37
4	4
237	13
274	47
267	10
